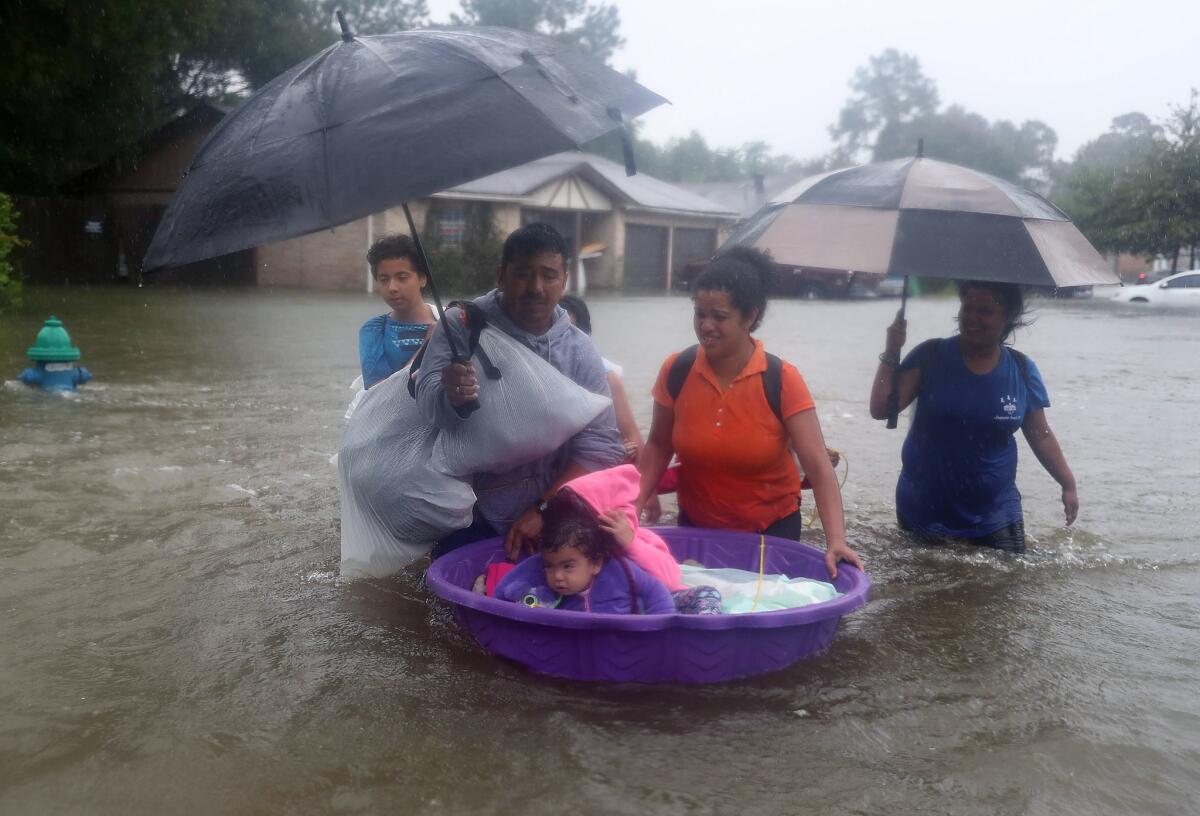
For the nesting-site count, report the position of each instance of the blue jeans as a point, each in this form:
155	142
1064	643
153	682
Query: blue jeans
789	527
1009	539
479	530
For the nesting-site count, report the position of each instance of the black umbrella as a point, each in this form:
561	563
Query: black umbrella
919	216
372	122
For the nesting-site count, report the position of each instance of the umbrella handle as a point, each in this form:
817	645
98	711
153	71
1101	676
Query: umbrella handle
467	408
893	402
456	356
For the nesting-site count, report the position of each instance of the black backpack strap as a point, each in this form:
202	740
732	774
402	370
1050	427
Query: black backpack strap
1022	365
772	381
679	371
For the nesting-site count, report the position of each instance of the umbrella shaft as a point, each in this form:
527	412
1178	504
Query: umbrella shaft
412	230
893	403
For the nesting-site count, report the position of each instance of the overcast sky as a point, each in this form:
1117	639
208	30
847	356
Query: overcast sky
776	71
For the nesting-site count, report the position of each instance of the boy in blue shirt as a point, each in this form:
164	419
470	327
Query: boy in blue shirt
386	343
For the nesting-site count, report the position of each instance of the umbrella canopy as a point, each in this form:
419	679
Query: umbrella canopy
372	122
919	216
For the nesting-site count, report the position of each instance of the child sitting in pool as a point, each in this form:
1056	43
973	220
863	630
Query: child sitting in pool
595	555
582	567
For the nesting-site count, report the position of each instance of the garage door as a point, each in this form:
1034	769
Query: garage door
645	257
692	246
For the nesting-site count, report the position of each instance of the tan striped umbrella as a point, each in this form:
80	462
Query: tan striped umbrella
919	216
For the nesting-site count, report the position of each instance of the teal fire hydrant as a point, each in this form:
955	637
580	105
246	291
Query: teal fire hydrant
55	358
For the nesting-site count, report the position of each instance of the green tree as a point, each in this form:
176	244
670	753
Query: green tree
1184	169
890	91
1096	188
1136	188
83	81
592	27
894	106
1023	154
1128	139
10	282
281	33
467	268
690	159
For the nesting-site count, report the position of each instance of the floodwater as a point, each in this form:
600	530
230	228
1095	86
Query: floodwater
174	636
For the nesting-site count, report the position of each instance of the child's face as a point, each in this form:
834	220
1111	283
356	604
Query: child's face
568	572
400	285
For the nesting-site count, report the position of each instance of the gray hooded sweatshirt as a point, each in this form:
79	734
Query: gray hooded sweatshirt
502	497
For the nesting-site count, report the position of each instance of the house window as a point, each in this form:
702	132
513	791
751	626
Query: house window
452	224
562	221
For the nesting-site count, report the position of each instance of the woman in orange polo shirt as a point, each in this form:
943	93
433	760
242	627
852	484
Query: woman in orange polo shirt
736	466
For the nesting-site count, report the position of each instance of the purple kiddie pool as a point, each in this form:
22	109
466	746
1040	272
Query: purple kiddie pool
656	648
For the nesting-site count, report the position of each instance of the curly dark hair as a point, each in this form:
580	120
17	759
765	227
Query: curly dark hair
569	521
745	274
395	246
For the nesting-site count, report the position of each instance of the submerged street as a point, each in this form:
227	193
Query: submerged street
175	634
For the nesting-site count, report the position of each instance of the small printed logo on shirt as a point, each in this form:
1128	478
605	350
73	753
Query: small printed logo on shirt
1008	404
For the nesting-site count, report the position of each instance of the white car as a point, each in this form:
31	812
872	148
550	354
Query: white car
1180	288
891	286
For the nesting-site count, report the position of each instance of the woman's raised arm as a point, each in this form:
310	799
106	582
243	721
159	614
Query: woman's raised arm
885	380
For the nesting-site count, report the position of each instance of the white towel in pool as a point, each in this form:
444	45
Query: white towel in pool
738	589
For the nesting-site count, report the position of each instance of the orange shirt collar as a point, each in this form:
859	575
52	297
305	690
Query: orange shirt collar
757	364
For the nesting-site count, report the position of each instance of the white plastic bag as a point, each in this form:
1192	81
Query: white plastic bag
531	411
395	505
359	392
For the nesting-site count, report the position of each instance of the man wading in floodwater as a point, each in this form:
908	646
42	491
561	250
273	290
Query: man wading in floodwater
524	305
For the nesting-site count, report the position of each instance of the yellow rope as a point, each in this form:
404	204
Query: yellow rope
815	515
762	565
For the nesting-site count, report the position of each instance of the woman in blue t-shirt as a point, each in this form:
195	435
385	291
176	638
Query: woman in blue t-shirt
959	461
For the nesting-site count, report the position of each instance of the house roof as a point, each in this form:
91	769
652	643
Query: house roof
200	117
639	192
745	196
